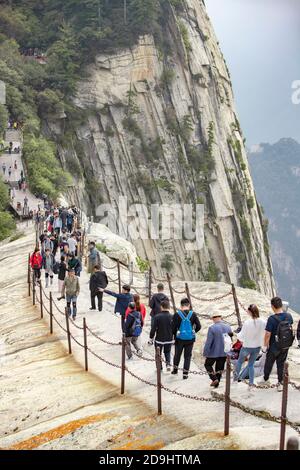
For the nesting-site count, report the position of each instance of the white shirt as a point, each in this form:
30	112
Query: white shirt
252	333
72	244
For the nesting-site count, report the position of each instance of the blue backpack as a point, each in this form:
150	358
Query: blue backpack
136	329
186	331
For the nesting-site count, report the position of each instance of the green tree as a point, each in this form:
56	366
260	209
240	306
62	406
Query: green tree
143	15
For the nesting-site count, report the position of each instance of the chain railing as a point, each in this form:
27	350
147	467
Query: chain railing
39	297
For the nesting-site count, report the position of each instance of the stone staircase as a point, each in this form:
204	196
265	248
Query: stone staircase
10	161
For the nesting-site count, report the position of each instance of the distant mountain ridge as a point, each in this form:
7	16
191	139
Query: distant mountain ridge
276	174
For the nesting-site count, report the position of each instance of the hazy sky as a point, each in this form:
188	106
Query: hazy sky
260	40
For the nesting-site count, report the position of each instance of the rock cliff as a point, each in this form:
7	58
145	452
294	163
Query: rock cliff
157	123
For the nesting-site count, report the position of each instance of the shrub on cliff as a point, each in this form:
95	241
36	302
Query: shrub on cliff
44	172
7	223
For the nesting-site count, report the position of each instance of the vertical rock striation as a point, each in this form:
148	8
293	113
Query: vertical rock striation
159	126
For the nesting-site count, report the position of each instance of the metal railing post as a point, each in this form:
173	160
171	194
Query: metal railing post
41	300
123	367
171	292
236	305
227	397
85	345
150	283
188	294
119	276
68	330
33	289
284	406
51	313
158	373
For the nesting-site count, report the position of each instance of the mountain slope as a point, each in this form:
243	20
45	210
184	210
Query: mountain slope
139	102
162	128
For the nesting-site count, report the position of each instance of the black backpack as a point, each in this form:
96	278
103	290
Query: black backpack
55	267
284	337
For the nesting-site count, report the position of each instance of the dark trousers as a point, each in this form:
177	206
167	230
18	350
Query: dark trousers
37	273
166	348
215	373
187	349
280	358
99	296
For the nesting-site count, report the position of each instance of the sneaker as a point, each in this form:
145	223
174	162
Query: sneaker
168	367
130	358
174	372
279	387
251	388
74	318
140	352
185	377
215	384
93	309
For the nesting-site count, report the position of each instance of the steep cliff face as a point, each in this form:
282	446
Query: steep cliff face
159	126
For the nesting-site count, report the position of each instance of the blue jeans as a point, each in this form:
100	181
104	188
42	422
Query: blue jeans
71	299
252	353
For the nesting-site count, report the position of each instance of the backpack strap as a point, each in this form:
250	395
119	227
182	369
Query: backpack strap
190	315
182	316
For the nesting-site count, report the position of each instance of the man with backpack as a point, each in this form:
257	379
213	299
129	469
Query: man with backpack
98	282
163	333
279	337
185	325
156	300
133	329
218	345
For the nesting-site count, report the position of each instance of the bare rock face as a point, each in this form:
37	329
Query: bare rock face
162	128
116	247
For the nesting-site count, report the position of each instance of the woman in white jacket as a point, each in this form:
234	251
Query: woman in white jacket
251	335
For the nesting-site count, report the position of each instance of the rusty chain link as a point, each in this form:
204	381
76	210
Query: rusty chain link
117	366
216	299
101	339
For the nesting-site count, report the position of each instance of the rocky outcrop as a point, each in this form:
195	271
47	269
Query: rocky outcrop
159	126
114	246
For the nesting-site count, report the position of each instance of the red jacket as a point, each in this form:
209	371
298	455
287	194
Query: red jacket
36	260
142	311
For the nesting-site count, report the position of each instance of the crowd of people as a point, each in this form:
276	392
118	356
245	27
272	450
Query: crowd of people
258	343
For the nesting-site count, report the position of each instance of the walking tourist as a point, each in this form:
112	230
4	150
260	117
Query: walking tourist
162	332
156	300
71	290
98	282
217	345
185	325
278	339
252	337
133	329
